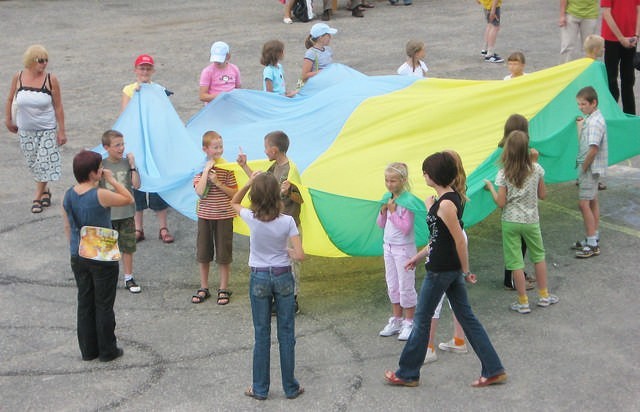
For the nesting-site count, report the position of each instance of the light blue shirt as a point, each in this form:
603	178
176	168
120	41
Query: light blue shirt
276	75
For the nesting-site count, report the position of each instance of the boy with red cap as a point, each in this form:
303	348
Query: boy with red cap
144	69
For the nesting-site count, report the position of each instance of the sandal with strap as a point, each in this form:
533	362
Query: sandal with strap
139	235
201	295
223	296
36	207
165	236
250	393
45	200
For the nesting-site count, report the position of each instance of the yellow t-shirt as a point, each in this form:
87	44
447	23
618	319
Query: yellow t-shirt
487	3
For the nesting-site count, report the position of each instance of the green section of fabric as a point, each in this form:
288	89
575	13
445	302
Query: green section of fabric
351	223
554	134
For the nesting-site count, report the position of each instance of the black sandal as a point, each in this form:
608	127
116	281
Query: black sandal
198	298
46	201
36	207
223	296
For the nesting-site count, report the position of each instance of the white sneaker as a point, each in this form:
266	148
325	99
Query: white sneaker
551	300
406	329
520	308
392	328
287	20
452	347
431	356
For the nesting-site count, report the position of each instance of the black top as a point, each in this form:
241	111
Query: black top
443	256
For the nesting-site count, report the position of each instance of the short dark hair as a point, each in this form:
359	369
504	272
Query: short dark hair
441	168
278	139
84	163
588	93
109	135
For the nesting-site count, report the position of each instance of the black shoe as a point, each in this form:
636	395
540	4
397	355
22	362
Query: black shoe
119	352
357	11
326	15
297	307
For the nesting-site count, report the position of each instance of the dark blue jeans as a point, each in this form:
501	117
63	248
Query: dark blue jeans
265	288
415	350
97	283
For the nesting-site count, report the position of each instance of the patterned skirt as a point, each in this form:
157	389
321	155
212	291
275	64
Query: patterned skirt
41	152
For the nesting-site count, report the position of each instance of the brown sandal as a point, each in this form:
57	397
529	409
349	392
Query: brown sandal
139	235
493	380
165	236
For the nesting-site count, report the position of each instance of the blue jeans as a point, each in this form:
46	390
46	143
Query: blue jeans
414	352
265	288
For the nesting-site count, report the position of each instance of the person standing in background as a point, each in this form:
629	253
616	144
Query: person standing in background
578	19
620	29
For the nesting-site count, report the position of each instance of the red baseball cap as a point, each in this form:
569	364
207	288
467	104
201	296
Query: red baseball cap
144	59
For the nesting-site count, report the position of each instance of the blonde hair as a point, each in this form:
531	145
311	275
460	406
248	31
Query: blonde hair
32	53
516	159
402	170
593	45
412	48
209	137
459	184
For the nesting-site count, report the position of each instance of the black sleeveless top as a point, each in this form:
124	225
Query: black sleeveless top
43	89
443	256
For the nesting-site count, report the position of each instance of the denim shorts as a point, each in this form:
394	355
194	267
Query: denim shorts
155	202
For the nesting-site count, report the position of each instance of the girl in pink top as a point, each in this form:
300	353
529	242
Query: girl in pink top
399	246
220	76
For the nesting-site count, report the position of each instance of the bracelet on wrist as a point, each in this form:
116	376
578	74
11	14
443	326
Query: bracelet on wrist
133	169
465	274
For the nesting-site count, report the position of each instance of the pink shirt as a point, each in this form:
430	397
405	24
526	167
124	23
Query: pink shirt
220	80
398	226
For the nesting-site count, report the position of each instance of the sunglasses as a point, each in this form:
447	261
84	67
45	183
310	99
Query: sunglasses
41	60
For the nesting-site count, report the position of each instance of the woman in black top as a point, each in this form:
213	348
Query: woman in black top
447	269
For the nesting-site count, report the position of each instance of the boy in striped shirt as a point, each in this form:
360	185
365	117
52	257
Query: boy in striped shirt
215	219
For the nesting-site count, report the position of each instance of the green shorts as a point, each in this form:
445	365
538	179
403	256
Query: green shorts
512	233
126	234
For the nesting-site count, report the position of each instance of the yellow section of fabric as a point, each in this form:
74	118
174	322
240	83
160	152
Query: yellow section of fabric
428	116
314	240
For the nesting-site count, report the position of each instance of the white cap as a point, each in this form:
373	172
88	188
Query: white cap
219	51
320	29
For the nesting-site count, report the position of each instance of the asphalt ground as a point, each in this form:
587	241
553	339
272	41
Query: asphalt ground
581	354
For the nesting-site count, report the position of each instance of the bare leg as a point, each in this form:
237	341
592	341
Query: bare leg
224	271
518	278
457	329
41	187
127	263
587	208
408	312
204	274
162	217
541	274
397	310
432	332
137	218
